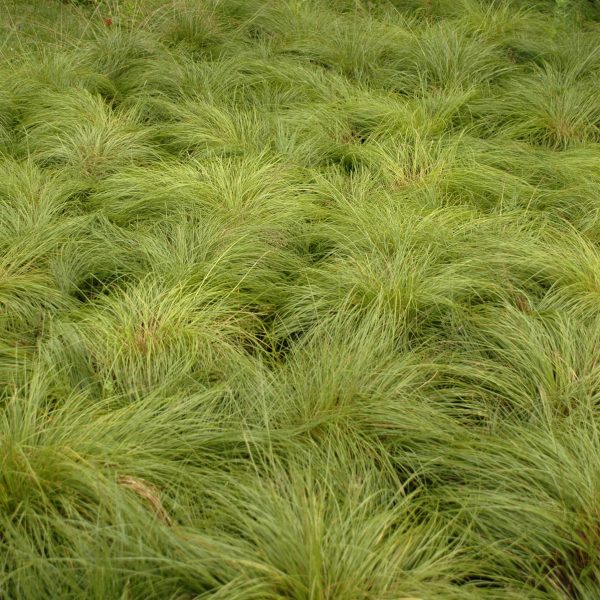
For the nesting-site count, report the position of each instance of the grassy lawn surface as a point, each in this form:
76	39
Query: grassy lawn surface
300	299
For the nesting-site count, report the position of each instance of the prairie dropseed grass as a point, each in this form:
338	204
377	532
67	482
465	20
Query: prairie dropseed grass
300	299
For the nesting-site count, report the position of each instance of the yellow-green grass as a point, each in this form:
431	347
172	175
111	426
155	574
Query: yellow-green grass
300	299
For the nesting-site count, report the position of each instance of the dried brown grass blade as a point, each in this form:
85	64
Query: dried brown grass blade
147	492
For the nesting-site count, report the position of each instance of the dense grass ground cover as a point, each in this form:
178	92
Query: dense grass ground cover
300	299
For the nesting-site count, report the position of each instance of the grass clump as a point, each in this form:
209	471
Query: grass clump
300	299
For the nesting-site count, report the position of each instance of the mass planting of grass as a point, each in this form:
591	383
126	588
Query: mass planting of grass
300	299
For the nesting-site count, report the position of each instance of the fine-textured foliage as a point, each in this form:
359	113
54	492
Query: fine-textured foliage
300	299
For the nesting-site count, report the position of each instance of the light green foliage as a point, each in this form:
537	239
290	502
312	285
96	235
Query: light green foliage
300	299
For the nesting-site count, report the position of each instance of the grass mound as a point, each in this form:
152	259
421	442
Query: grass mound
300	299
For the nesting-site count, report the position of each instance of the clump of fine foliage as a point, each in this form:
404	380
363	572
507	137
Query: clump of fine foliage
300	299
